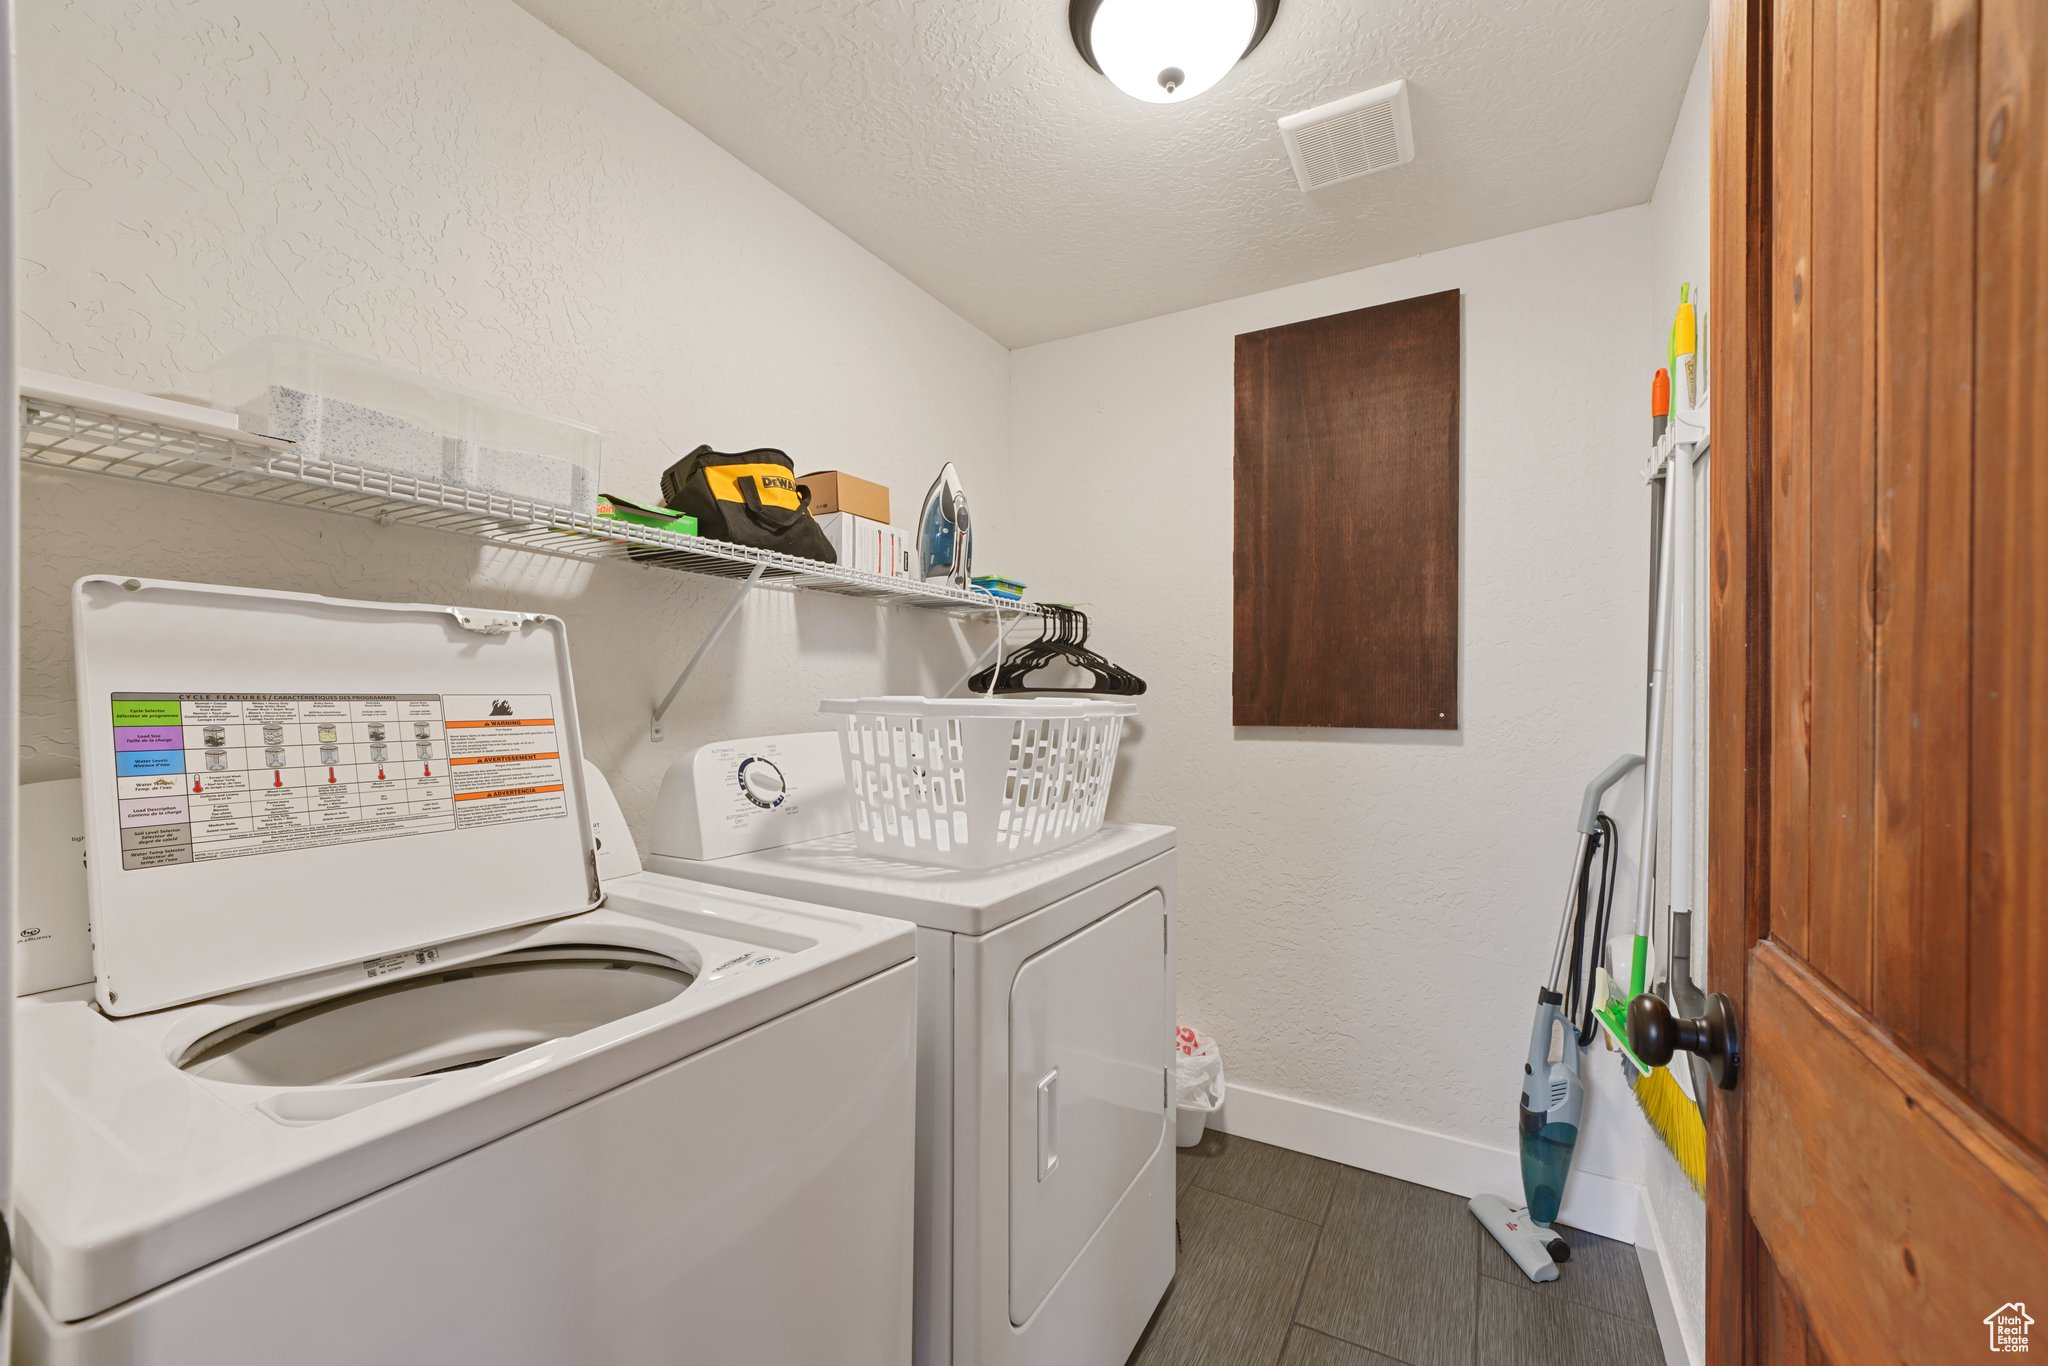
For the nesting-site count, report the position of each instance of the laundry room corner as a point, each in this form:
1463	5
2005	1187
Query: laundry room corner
1361	952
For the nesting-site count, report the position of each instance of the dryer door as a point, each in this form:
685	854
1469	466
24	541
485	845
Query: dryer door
1091	1041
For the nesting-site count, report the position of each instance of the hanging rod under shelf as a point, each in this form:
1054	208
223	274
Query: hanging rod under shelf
84	439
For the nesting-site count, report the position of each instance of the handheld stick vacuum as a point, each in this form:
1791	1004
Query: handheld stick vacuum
1552	1093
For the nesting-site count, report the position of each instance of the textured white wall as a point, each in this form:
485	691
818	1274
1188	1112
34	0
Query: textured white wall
1679	234
456	189
1365	915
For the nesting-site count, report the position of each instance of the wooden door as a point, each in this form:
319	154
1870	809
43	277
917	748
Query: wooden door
1879	819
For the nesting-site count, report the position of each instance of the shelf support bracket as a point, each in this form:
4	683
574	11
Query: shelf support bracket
1003	630
732	609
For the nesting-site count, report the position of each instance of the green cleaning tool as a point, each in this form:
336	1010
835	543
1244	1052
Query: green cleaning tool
1656	1020
1553	1094
1612	1013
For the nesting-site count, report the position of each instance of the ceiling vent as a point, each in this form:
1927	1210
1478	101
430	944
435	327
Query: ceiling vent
1351	137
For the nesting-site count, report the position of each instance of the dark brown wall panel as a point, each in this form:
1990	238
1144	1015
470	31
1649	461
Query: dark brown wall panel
1347	520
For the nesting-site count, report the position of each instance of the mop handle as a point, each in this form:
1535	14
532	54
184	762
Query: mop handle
1653	757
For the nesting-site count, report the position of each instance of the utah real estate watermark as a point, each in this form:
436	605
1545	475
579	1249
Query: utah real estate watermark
2008	1326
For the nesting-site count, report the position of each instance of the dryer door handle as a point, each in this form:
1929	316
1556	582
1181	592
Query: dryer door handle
1048	1123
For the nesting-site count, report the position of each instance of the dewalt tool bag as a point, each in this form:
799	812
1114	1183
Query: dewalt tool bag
748	498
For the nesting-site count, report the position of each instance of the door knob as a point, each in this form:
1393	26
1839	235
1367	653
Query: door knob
1655	1035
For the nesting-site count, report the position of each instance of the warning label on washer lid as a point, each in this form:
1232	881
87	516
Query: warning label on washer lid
505	759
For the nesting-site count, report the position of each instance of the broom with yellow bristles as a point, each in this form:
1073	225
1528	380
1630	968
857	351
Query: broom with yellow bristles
1673	1114
1676	1119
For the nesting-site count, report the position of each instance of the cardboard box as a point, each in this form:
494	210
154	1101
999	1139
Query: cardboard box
865	544
835	491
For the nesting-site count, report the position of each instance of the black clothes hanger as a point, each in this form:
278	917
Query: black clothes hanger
1062	639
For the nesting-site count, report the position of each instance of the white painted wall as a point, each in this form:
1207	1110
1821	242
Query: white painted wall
454	188
1679	235
1366	915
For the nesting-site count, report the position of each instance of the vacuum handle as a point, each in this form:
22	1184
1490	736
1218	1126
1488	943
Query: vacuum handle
1589	805
1656	1036
1549	1010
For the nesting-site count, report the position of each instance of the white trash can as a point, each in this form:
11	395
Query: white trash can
1198	1084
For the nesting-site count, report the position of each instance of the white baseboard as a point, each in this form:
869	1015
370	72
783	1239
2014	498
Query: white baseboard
1599	1204
1663	1292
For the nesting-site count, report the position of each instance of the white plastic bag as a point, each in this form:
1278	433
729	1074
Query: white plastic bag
1198	1069
1198	1083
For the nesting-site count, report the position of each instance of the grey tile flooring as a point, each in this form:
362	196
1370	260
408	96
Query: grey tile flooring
1233	1291
1397	1271
1307	1347
1602	1274
1260	1174
1521	1326
1288	1260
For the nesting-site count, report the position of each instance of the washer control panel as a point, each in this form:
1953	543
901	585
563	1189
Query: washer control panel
736	796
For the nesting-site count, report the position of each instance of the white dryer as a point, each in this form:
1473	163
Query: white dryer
386	1061
1045	1156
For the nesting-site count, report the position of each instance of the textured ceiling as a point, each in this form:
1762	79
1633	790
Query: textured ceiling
965	143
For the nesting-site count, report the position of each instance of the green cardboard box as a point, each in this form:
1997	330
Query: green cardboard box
645	514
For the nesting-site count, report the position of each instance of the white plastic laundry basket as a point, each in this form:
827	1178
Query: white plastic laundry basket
976	783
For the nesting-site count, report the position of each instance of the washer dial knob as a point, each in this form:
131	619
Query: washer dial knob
762	783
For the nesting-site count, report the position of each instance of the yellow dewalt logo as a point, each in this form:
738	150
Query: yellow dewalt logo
773	483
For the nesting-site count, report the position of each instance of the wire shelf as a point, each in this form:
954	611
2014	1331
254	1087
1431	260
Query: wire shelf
81	439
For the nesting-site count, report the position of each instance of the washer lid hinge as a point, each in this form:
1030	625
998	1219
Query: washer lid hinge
487	623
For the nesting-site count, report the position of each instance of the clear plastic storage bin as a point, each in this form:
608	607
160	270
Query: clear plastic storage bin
354	411
976	783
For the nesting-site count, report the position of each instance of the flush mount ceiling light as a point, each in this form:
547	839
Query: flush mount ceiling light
1166	51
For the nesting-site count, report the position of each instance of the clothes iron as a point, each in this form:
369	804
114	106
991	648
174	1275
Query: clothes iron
945	532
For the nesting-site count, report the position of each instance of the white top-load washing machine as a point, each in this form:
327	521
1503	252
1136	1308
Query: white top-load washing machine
385	1061
1045	1195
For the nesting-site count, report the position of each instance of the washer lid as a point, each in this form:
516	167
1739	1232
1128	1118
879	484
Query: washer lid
277	783
835	872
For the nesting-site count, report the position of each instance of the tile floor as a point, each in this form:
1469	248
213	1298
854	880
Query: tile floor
1288	1260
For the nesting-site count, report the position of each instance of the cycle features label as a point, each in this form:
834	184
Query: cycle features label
202	776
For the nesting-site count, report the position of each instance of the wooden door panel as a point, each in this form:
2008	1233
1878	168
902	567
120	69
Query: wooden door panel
1790	470
1896	1214
1786	1338
1739	529
1925	253
1791	466
1842	444
1879	835
2009	601
1739	588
